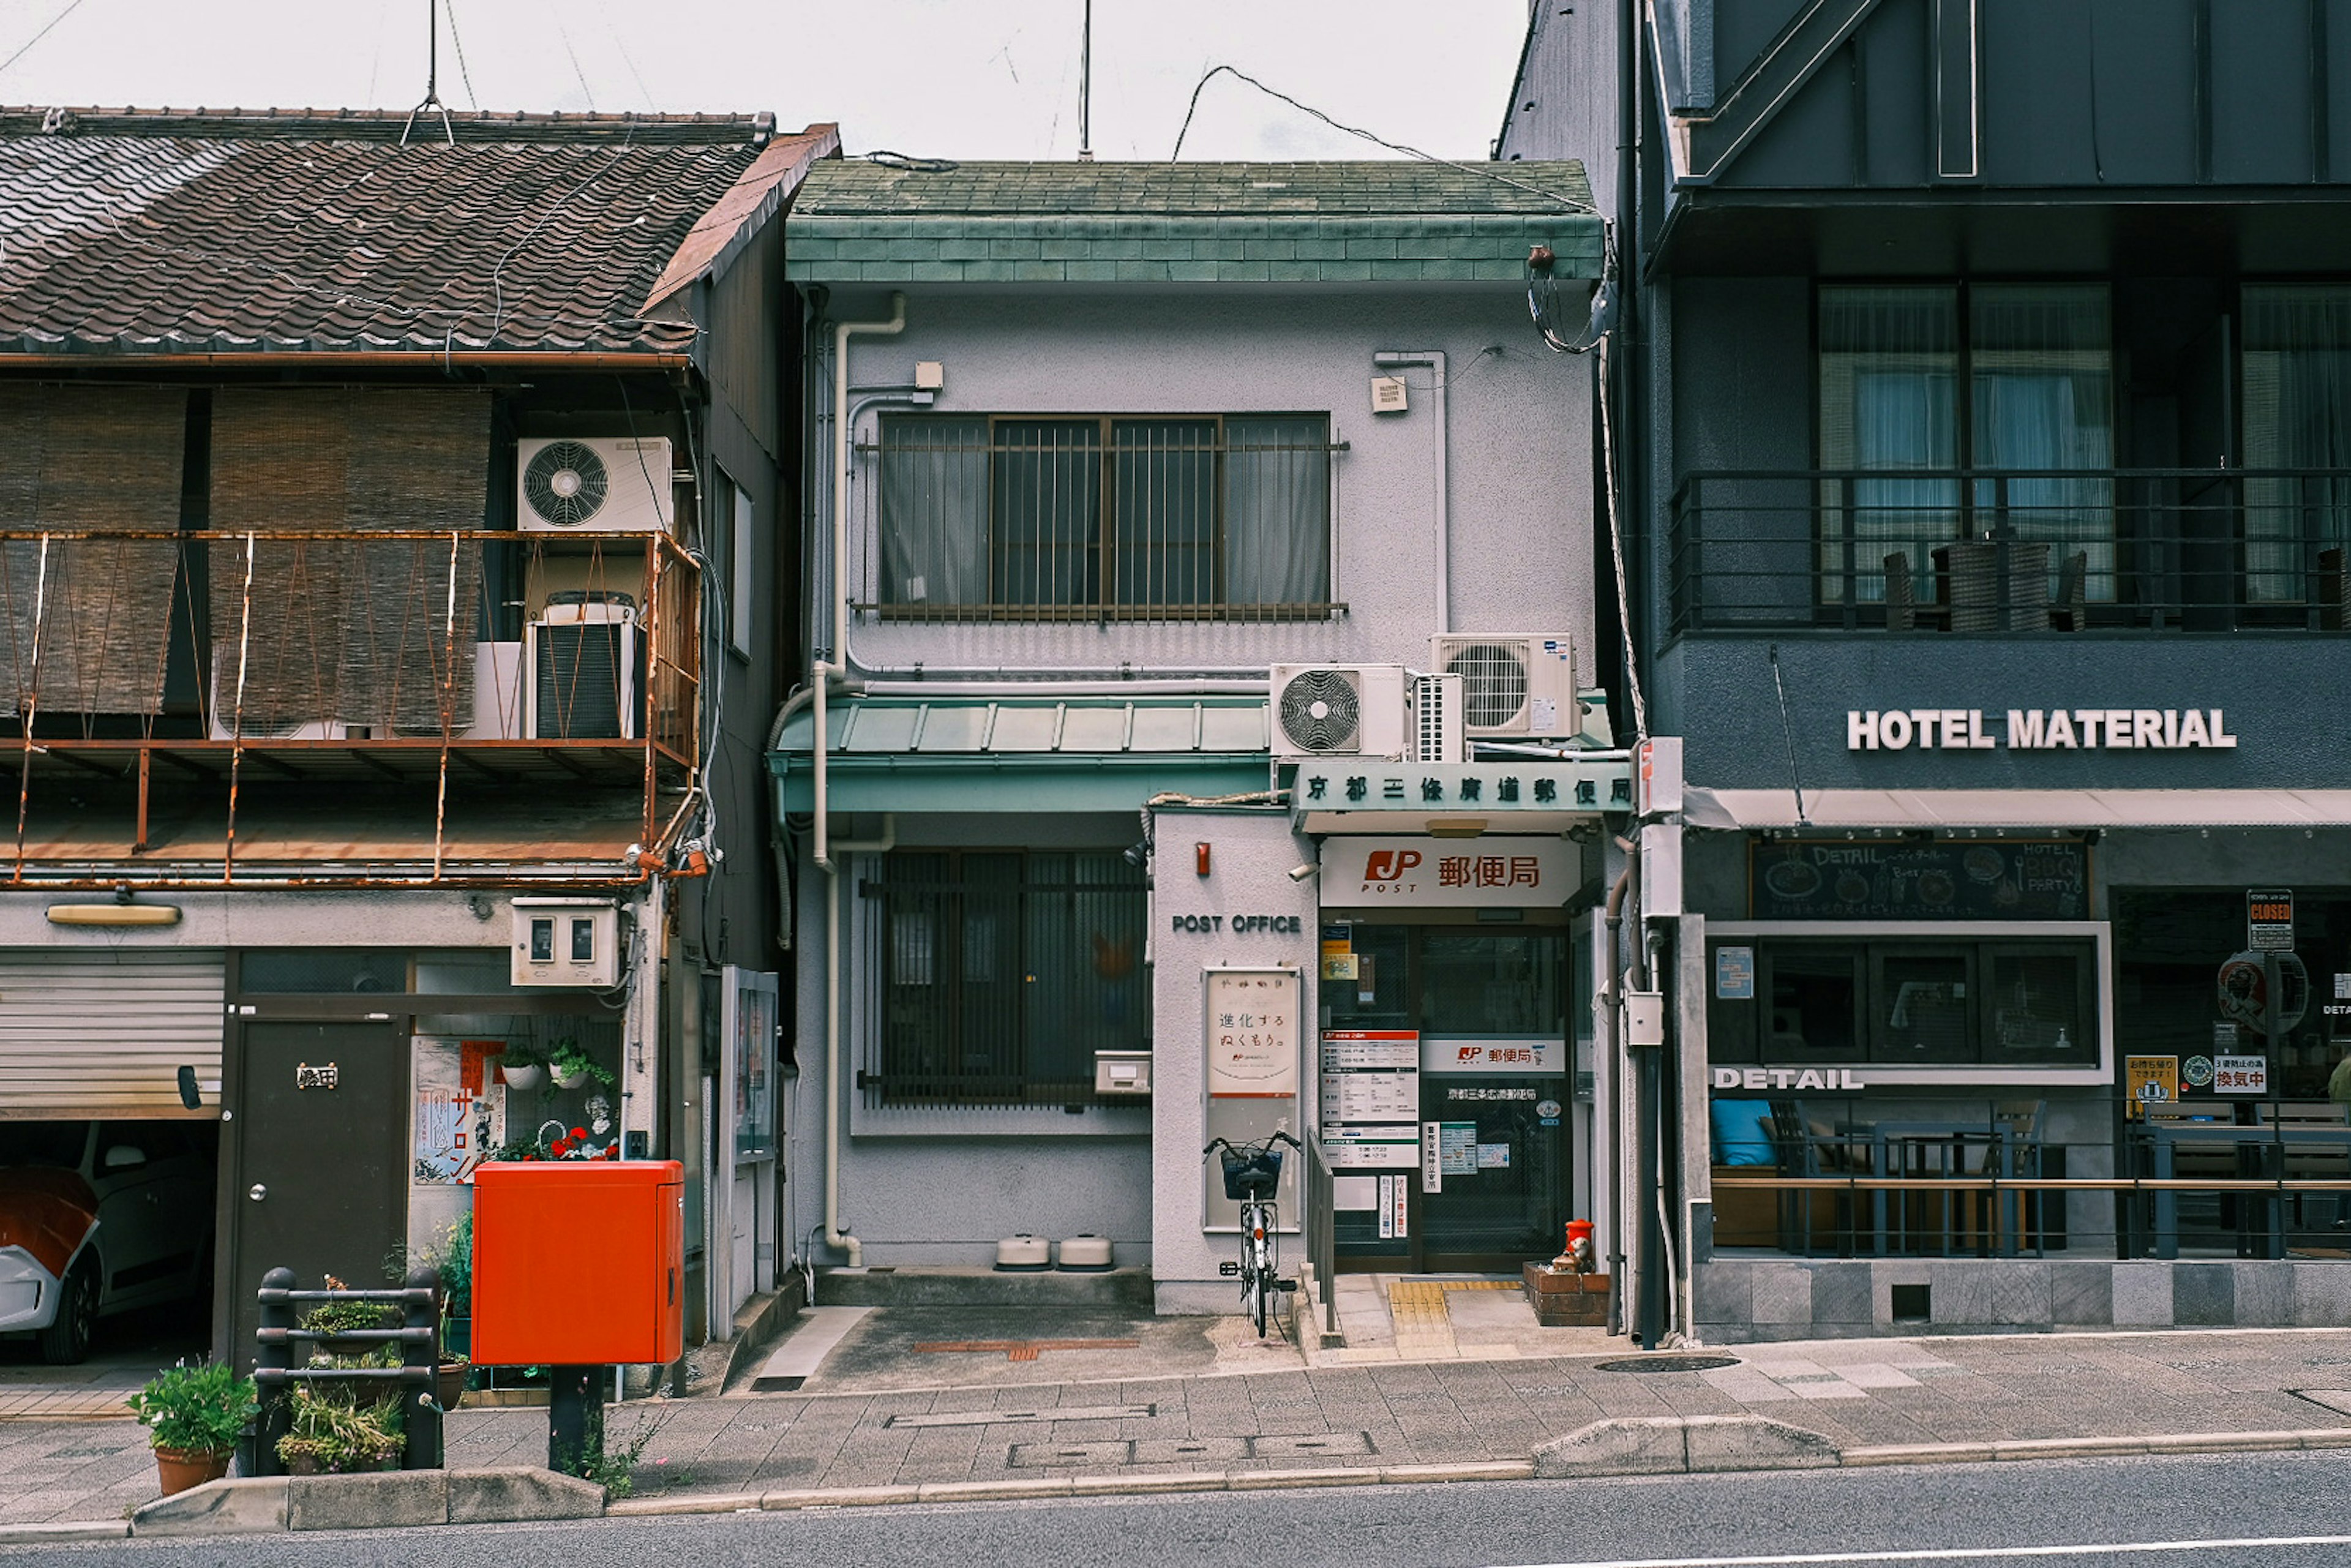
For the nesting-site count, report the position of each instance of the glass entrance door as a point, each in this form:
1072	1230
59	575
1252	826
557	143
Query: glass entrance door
1502	1157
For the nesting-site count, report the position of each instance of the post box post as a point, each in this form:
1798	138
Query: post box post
574	1411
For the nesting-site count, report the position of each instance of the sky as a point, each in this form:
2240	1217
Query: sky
962	78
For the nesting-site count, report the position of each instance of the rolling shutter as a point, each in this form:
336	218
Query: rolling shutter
105	1033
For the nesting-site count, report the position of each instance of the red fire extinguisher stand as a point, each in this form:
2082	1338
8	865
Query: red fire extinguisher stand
578	1266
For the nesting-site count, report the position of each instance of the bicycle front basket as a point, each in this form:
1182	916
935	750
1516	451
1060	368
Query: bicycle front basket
1251	1175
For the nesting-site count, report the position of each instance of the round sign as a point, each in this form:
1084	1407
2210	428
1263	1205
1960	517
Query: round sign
1547	1108
2243	986
2196	1072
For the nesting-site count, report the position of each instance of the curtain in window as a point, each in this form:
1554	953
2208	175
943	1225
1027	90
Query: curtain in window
1046	529
2298	381
2043	398
933	511
1889	362
1164	542
1277	510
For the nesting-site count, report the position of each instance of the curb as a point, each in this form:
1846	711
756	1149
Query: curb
809	1499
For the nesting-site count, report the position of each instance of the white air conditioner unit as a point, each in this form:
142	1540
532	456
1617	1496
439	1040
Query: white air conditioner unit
1436	719
1340	710
583	656
607	484
1512	684
226	724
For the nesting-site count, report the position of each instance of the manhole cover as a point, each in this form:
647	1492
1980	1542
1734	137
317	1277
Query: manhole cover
1669	1363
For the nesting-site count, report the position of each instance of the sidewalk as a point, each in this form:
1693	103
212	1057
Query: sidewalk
1358	1418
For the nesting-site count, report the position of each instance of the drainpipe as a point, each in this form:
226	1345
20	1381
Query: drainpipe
833	1234
1398	359
1609	1030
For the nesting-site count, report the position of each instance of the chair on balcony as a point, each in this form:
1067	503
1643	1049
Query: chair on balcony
2070	612
2333	591
1901	594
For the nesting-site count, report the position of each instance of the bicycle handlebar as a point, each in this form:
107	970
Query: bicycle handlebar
1215	1143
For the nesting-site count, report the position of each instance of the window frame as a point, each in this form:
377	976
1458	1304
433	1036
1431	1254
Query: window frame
1102	549
2094	1064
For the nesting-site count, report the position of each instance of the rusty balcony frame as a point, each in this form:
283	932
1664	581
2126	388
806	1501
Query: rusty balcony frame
666	750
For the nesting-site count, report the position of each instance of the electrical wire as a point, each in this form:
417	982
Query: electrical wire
28	45
449	7
1616	547
1572	203
565	34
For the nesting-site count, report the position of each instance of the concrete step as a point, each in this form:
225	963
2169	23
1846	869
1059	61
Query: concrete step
1118	1290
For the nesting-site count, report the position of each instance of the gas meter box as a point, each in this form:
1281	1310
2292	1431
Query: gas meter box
578	1263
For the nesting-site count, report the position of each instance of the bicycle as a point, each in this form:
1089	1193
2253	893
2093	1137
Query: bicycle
1251	1173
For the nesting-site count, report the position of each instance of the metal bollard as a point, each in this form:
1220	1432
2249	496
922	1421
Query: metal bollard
276	1312
421	1309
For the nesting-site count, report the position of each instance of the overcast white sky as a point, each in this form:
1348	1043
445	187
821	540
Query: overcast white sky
963	78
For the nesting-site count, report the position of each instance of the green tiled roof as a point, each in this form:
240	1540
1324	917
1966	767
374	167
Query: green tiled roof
859	222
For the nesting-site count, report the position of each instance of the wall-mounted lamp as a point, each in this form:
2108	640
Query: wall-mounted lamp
114	913
1456	827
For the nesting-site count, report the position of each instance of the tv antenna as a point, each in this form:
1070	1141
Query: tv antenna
432	77
1085	87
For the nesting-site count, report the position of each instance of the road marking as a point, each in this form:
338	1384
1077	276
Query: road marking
1961	1554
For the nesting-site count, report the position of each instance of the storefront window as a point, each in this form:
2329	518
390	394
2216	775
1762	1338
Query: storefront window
1816	1005
2191	987
1923	1000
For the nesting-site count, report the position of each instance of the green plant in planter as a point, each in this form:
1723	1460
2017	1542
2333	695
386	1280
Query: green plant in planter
567	1060
332	1433
200	1409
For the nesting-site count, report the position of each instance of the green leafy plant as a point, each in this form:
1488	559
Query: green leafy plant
202	1407
522	1053
568	1060
614	1468
336	1432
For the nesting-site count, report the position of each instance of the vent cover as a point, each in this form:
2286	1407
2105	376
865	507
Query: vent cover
566	484
1493	684
1322	710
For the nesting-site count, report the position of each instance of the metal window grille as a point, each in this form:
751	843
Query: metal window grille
1102	519
999	975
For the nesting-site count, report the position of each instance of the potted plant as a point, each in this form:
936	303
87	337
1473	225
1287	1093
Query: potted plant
573	1067
330	1435
193	1414
522	1065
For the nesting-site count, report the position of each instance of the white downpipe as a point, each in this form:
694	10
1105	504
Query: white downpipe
1398	359
819	677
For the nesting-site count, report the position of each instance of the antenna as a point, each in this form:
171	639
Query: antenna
1085	88
432	77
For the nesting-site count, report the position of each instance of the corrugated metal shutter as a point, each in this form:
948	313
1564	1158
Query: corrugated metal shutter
105	1033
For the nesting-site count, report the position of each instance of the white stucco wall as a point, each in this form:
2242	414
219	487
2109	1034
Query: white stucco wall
1518	456
1251	855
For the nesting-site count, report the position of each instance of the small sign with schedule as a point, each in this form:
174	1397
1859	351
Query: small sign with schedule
2269	919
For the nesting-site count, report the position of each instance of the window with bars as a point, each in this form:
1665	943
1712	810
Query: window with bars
1219	517
1000	973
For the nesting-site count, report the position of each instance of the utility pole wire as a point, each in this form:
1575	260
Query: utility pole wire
72	7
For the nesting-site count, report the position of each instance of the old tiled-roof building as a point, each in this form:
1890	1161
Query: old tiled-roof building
391	518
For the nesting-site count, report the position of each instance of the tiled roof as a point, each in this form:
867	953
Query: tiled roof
1174	223
237	232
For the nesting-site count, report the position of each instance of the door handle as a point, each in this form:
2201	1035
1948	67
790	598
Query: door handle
258	1192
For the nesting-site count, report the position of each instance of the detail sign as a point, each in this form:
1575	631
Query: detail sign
2269	919
1840	879
1489	872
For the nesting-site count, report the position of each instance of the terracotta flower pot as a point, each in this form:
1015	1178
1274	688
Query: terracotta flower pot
449	1384
180	1468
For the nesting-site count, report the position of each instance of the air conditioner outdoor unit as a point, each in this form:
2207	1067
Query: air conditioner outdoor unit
226	724
607	484
1512	684
1340	710
584	670
1436	719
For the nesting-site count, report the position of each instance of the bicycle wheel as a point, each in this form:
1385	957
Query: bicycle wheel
1259	1290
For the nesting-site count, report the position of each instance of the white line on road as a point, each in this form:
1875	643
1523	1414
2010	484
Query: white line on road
1961	1554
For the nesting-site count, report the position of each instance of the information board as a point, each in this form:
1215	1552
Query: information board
1370	1084
1252	1033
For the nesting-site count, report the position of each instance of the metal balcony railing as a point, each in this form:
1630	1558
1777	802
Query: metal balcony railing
1976	550
378	658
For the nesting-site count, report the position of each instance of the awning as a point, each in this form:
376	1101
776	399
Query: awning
2018	807
1027	754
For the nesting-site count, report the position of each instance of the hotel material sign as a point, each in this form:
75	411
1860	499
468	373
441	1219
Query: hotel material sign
2038	730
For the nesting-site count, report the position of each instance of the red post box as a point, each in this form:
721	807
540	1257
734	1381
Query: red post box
578	1263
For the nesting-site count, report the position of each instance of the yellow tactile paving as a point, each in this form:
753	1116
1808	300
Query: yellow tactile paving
1423	1324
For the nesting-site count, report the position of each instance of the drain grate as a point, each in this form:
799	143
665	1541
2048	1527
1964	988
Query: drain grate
1668	1363
1019	1349
87	1453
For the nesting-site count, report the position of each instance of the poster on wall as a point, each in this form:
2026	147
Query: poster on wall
1842	879
748	1023
1252	1033
2151	1081
454	1123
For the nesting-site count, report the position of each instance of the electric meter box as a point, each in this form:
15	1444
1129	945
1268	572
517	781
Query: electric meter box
578	1263
567	942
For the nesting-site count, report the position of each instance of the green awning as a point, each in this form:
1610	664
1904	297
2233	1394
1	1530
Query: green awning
1027	754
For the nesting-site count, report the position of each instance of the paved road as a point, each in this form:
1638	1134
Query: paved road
2258	1510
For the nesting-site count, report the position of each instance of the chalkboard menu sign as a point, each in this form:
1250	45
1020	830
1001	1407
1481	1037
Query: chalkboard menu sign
1845	878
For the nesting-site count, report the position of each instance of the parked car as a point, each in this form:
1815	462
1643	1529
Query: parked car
96	1218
